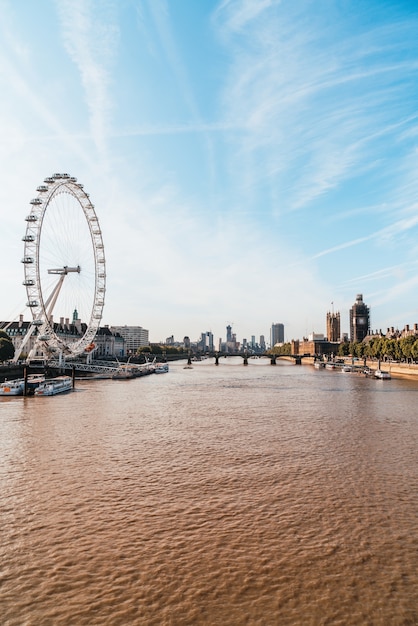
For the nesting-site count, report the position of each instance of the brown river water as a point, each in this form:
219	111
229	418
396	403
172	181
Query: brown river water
215	495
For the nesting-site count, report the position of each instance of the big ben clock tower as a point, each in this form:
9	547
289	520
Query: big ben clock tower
359	320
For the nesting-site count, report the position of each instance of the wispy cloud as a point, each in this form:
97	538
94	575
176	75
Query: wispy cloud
237	14
91	36
383	234
160	11
177	129
395	291
314	102
399	271
17	74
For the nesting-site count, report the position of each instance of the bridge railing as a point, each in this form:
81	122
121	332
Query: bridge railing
102	368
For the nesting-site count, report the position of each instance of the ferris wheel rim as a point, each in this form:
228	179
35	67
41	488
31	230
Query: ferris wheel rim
54	186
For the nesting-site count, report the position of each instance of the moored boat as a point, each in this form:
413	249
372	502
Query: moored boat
382	375
17	387
368	372
12	387
54	386
161	368
33	382
124	372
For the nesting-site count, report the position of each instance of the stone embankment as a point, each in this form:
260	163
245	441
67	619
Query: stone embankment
397	370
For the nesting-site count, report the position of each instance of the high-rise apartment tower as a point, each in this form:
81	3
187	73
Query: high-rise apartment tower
276	334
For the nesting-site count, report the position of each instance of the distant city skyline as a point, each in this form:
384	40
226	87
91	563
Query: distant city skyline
125	340
248	161
359	310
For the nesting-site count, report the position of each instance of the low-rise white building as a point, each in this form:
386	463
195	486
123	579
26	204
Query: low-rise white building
135	337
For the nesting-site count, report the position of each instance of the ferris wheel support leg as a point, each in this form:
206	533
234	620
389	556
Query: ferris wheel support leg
26	338
54	296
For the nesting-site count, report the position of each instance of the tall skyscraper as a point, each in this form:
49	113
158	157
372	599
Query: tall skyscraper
210	341
276	334
359	320
333	326
229	333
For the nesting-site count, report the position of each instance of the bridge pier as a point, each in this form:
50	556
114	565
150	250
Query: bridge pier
298	360
273	359
245	360
217	359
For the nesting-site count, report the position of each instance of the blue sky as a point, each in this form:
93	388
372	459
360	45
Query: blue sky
250	161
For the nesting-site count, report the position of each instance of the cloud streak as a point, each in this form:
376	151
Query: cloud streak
384	234
92	43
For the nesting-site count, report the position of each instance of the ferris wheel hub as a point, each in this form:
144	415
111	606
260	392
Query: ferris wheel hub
65	270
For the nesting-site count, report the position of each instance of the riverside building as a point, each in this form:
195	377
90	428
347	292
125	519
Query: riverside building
135	337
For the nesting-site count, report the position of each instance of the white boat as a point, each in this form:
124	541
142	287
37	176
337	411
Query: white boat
161	368
124	372
382	375
127	371
346	368
33	382
17	387
53	386
368	372
319	365
12	387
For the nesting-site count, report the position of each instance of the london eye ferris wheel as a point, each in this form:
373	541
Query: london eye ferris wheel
64	265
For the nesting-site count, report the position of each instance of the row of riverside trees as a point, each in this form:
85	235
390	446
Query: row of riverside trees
7	350
284	350
155	348
404	349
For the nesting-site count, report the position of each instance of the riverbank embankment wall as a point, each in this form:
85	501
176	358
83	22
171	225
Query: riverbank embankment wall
397	370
